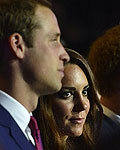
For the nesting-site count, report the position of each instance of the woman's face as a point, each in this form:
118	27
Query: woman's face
71	105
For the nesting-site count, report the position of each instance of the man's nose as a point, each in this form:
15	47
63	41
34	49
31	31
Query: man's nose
65	57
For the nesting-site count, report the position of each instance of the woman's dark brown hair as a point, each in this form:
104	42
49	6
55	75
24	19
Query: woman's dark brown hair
51	136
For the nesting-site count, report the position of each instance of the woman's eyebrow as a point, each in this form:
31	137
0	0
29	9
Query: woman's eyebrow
69	88
86	87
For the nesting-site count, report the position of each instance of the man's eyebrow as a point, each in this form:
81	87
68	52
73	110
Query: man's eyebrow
56	34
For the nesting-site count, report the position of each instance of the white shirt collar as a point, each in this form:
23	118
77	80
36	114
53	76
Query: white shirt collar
17	110
111	114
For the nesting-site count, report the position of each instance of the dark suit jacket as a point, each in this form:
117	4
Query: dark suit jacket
11	136
109	135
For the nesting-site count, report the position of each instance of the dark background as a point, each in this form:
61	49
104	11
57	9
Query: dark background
82	21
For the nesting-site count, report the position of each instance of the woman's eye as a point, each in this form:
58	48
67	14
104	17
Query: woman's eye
66	94
85	93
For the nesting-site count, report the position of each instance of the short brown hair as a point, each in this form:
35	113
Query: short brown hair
104	59
18	16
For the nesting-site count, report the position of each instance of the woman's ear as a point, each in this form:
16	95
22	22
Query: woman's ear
17	45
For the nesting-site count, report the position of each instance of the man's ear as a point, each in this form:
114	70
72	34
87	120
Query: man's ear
17	45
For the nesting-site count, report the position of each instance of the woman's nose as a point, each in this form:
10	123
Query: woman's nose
79	104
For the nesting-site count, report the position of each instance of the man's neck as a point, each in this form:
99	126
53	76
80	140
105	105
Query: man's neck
20	92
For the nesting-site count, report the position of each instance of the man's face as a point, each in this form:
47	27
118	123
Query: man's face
44	62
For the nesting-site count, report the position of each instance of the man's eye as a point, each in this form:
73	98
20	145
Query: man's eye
54	40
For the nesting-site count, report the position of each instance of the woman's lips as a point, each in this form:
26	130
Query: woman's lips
76	120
